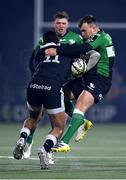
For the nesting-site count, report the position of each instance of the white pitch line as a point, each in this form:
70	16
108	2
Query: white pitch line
73	157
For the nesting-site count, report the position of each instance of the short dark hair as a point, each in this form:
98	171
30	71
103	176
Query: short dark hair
87	19
60	15
50	36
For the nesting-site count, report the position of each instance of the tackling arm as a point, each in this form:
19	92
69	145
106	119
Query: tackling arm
74	50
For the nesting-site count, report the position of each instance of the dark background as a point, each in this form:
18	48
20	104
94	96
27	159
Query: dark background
16	44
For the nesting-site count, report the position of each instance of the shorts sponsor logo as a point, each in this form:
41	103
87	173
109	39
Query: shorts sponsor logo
100	96
36	86
91	86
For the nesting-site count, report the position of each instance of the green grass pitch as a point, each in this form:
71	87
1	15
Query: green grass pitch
100	155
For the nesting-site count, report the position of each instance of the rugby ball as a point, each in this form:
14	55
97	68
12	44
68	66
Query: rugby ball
78	67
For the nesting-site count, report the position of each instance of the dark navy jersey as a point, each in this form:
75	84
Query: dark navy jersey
54	71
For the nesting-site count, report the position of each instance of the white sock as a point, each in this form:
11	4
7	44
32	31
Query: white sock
53	138
77	111
26	130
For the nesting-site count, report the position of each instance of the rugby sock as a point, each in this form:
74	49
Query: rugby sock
24	133
76	121
30	137
51	141
69	107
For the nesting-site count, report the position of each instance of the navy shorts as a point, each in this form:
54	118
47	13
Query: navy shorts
97	85
39	95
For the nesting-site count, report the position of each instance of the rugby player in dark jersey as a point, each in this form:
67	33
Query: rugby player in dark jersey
45	91
61	27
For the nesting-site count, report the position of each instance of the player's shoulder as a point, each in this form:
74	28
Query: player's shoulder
74	34
39	43
74	37
105	36
101	36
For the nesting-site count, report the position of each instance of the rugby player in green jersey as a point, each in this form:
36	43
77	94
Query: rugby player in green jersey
97	81
60	24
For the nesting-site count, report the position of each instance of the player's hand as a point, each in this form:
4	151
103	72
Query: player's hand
50	52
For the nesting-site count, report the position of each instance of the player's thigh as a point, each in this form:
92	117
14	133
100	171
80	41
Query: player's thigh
34	102
76	86
54	105
68	95
84	101
54	102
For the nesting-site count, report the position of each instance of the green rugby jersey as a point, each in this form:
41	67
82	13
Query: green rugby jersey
102	42
69	38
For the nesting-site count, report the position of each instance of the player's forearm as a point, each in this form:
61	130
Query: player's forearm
94	57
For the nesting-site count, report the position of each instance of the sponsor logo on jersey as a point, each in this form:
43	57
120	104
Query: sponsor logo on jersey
71	41
36	86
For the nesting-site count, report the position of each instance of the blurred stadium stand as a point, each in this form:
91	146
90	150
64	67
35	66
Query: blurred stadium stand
22	22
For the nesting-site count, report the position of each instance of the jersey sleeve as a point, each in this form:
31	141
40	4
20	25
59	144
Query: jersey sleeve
32	61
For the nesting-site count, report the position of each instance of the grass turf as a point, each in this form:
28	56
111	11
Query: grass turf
101	155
